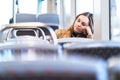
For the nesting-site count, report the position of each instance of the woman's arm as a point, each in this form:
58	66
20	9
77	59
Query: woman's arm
89	32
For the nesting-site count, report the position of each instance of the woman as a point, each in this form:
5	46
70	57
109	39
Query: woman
82	27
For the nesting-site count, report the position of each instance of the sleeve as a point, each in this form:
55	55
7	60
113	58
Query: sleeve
58	33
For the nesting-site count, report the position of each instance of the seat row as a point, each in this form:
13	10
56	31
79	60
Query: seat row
51	19
35	57
30	60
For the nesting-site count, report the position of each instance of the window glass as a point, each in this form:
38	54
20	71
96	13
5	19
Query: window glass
67	13
84	6
28	6
5	11
115	19
43	7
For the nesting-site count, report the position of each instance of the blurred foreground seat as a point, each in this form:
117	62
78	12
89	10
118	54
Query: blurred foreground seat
54	69
97	49
27	49
63	41
114	68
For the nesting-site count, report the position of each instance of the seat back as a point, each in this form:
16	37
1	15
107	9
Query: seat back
14	30
25	17
54	69
50	19
114	68
98	49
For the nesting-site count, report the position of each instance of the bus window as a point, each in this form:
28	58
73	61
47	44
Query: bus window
115	19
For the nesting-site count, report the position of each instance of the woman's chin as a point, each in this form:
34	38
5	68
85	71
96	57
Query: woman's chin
77	32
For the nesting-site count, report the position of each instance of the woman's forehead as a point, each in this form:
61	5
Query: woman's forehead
83	18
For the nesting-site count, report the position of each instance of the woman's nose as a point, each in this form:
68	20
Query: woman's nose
79	24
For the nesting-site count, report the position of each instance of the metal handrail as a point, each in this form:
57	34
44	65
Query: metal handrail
32	25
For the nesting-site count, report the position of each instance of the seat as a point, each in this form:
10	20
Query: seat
51	19
97	49
25	17
114	68
54	69
36	28
63	41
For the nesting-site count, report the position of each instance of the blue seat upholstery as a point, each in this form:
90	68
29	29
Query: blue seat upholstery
25	17
114	68
50	19
98	49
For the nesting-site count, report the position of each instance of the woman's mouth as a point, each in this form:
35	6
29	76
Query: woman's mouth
78	29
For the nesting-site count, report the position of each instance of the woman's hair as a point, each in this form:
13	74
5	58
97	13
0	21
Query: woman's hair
90	17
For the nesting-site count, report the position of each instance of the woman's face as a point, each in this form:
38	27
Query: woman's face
80	24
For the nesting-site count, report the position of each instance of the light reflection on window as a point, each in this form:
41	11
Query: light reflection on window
84	6
5	11
28	6
115	19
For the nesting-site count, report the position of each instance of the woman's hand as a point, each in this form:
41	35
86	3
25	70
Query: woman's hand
87	31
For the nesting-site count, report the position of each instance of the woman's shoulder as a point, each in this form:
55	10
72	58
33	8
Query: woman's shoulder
60	30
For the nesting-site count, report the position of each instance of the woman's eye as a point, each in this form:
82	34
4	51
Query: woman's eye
84	24
78	20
